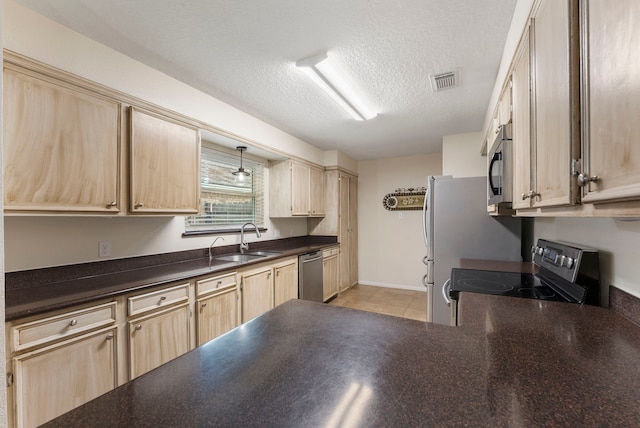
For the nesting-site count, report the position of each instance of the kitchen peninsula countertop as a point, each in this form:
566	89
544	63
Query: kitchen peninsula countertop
511	362
34	292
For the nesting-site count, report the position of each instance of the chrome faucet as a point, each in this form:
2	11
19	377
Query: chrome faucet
243	244
214	241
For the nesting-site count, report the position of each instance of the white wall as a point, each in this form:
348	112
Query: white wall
617	240
461	155
390	243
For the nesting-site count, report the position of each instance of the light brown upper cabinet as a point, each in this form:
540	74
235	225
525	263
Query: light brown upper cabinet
556	109
61	146
296	190
611	105
164	165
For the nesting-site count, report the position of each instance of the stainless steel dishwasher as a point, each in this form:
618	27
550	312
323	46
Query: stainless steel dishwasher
310	276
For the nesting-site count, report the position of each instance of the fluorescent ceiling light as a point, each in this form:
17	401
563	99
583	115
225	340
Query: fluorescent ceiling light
320	69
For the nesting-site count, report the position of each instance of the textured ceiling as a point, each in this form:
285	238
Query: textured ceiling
244	53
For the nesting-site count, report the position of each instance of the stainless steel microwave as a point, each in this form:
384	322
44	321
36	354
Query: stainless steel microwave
500	173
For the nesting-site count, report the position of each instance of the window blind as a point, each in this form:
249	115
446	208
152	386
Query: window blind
226	202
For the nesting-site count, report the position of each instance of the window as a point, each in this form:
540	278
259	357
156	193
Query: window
227	203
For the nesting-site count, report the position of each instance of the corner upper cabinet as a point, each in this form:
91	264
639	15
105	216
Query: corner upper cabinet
164	165
611	108
296	190
61	145
556	107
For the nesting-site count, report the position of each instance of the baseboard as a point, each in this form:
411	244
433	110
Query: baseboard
399	286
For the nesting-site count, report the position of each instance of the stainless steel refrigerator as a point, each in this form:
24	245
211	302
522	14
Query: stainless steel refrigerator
456	226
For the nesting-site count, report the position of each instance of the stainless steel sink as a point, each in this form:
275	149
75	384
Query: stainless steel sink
242	258
264	253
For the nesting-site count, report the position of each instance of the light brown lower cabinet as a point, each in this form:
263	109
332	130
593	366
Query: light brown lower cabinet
157	338
217	306
330	272
50	381
257	292
285	283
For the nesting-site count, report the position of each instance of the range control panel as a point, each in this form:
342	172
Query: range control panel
564	259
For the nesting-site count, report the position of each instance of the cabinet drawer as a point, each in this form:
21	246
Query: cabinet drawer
158	299
57	327
329	252
217	283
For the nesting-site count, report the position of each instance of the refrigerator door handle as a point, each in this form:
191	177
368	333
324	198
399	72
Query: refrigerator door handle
445	287
424	221
425	260
425	280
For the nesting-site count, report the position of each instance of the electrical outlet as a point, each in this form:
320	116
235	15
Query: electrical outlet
104	248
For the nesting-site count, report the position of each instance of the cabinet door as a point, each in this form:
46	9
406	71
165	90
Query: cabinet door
329	277
316	191
353	231
217	314
285	282
257	293
165	165
51	381
556	135
343	233
612	105
61	147
504	106
300	189
158	338
521	78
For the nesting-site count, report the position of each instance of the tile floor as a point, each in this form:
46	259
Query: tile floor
389	301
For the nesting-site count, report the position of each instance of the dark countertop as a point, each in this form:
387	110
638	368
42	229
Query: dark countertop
40	291
512	362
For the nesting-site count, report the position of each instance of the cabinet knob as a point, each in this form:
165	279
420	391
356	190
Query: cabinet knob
111	204
139	327
218	284
163	298
73	322
532	194
203	305
109	336
584	179
138	205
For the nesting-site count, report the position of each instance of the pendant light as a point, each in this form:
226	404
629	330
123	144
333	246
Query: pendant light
241	174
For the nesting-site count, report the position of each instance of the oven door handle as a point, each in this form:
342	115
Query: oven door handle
446	286
494	190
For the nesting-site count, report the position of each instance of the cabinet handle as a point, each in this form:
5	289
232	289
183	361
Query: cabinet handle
269	275
139	327
139	205
109	336
72	323
584	179
202	305
532	194
111	204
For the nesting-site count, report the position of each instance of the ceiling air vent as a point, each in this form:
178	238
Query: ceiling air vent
442	81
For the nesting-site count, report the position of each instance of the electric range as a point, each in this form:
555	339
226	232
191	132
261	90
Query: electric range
567	273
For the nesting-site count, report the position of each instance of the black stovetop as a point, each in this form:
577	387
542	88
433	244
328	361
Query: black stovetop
513	284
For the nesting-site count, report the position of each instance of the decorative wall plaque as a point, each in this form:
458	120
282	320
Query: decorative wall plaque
405	199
